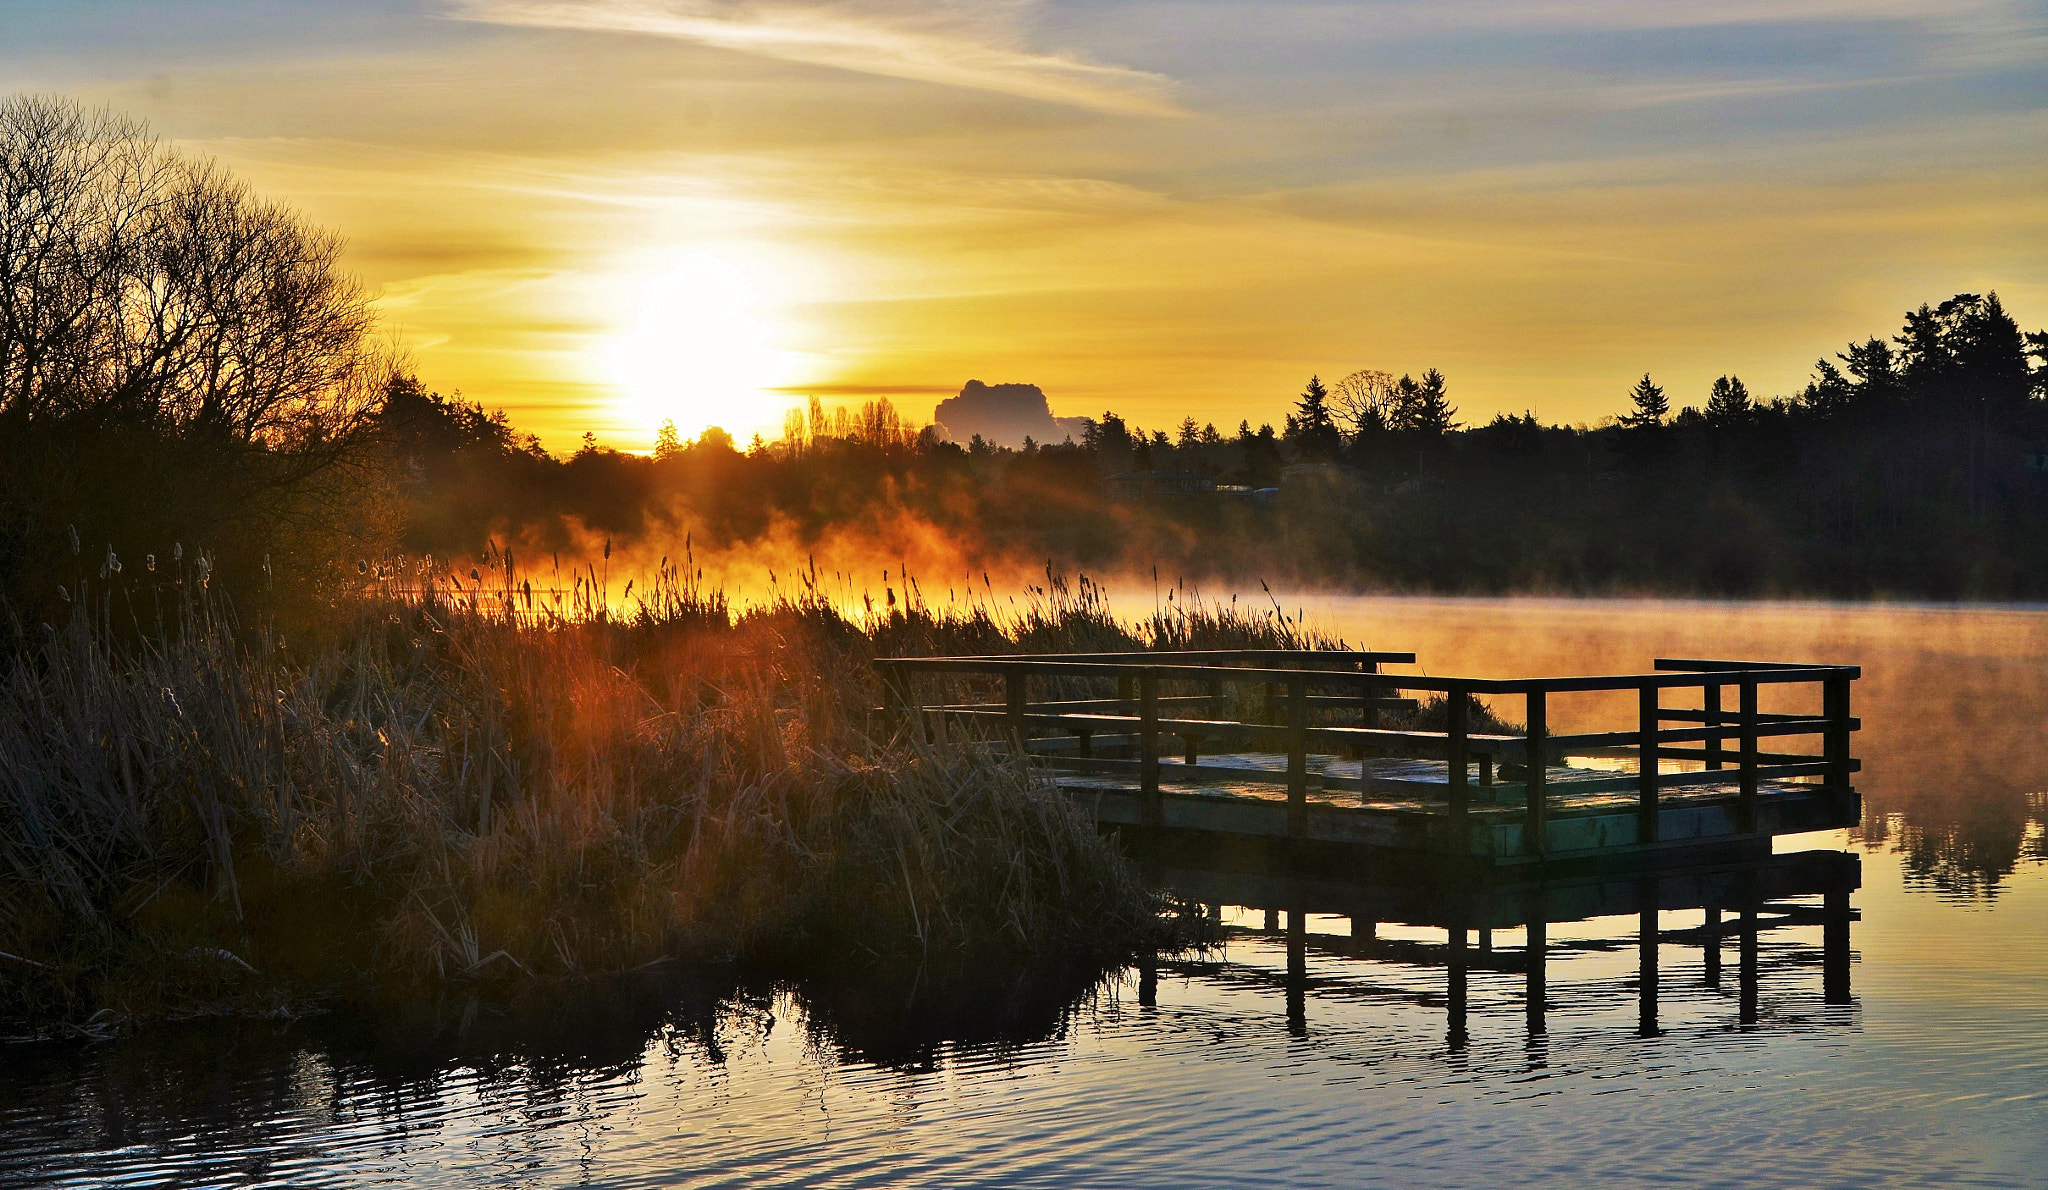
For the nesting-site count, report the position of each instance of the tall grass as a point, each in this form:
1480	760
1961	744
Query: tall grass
461	779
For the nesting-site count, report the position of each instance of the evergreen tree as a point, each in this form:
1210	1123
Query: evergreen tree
1728	403
1651	405
1431	412
1310	428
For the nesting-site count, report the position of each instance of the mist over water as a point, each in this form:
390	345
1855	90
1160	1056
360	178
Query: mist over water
1936	1070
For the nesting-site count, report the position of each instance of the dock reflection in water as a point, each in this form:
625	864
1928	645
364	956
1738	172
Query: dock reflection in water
1737	903
1373	993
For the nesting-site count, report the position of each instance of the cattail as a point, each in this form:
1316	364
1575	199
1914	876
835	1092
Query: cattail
177	551
62	593
73	530
149	563
362	567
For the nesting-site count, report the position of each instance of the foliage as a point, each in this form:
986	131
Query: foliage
180	360
463	782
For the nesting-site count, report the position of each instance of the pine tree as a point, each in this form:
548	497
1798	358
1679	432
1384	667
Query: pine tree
1651	405
1728	403
1310	428
1430	411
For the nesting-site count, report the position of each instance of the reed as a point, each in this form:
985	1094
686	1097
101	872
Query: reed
461	779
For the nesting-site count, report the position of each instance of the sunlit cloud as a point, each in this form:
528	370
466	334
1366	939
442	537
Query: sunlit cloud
972	45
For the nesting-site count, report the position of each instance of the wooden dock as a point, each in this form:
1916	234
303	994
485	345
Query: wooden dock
1326	748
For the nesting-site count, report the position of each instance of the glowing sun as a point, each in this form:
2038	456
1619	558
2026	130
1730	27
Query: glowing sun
702	344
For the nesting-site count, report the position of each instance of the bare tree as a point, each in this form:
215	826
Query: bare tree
180	359
143	284
1366	400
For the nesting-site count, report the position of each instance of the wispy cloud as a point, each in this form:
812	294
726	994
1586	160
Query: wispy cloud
958	43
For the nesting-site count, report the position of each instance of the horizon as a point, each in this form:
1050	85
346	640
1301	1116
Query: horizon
563	208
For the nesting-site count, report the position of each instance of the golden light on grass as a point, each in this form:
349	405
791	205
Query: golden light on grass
705	339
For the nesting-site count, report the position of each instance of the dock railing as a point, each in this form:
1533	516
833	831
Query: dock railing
1197	697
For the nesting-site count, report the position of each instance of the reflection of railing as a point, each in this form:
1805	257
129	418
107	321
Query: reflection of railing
1189	695
1756	897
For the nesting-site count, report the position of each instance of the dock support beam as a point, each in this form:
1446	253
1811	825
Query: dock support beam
1835	947
1835	709
1712	946
1153	808
1746	804
1013	708
1646	964
1746	973
1535	825
1648	721
1711	701
1297	757
1459	704
1297	970
1456	991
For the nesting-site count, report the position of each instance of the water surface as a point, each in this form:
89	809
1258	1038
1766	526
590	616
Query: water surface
1231	1070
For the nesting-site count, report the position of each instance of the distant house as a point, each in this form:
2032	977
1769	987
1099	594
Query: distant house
1256	497
1133	486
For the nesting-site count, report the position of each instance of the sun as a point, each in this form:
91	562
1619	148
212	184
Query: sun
703	343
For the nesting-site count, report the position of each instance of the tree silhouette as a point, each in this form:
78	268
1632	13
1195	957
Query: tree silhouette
1310	428
1728	403
1428	409
1651	405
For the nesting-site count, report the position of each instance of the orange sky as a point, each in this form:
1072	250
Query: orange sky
602	213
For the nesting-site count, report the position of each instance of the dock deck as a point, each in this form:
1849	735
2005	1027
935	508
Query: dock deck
1265	749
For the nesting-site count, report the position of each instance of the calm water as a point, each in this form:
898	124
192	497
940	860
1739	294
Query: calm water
1934	1070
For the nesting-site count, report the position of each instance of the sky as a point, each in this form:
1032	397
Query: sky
604	214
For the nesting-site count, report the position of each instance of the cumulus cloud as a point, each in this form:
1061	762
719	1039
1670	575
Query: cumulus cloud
960	43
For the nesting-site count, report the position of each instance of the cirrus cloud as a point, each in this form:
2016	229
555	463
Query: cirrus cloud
972	45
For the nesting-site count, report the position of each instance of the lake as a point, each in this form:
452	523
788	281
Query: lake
1322	1063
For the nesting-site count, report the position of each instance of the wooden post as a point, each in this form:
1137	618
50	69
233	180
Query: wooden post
896	699
1148	751
1486	793
1371	696
1013	707
1535	824
1087	745
1217	706
1458	705
1297	757
1647	723
1297	970
1646	962
1835	708
1125	692
1746	974
1456	990
1536	960
1711	701
1191	746
1835	946
1746	724
1712	946
1364	928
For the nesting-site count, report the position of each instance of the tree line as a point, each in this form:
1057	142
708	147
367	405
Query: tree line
184	367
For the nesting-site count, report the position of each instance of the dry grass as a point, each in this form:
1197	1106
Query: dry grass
462	784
